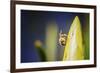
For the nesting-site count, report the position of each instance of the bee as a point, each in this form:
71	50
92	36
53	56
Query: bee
62	38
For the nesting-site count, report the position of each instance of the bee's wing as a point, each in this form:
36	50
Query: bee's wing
60	32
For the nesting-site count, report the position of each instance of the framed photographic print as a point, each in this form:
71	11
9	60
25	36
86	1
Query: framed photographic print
51	36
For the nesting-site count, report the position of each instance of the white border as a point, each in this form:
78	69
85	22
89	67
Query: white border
52	64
